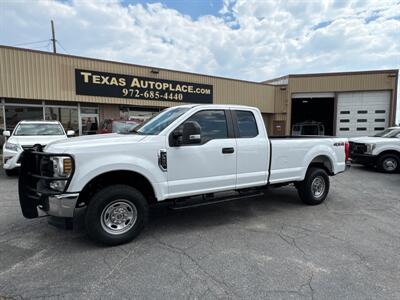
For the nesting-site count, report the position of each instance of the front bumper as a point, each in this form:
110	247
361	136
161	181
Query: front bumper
62	205
366	159
35	194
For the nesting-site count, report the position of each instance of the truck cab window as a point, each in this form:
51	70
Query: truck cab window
212	123
247	124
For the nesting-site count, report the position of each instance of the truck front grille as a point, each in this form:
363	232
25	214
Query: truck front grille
34	181
357	148
26	147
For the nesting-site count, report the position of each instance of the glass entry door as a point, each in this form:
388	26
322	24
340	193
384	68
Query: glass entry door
89	123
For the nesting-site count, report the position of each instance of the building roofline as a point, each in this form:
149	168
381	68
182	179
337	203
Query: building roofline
396	71
383	71
266	82
275	79
127	64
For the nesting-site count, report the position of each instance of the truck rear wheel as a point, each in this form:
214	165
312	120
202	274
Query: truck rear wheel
116	215
315	187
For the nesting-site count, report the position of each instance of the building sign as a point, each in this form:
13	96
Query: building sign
94	83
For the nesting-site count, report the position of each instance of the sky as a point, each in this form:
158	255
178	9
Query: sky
245	39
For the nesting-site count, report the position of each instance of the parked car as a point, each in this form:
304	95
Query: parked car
117	126
381	151
184	157
308	128
26	135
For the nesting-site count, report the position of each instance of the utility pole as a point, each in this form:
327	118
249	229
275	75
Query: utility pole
53	34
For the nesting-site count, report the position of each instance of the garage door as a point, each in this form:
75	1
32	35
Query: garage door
362	113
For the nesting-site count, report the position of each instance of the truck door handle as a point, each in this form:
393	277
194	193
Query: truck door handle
228	150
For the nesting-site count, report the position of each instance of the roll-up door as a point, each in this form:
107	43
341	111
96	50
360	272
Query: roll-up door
362	113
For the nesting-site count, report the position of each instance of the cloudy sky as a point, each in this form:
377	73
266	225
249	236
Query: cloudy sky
245	39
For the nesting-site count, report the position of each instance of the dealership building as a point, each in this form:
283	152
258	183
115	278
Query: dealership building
79	91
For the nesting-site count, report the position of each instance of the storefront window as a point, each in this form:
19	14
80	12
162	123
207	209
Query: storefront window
138	115
68	117
89	110
14	114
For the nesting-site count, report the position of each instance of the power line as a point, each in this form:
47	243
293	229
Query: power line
42	48
29	43
61	46
52	41
48	46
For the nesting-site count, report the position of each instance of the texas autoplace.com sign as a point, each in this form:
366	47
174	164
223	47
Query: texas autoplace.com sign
94	83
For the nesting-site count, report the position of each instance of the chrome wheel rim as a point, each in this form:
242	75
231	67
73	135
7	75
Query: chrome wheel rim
390	164
318	187
118	217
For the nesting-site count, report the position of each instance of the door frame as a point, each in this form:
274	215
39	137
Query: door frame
184	118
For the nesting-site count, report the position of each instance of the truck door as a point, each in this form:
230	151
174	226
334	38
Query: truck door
208	165
252	148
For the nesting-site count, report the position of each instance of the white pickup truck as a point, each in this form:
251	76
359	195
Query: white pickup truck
185	156
381	150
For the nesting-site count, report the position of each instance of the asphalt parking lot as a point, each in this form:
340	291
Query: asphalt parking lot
272	247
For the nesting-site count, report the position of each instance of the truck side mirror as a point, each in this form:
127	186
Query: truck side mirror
176	138
191	133
70	133
6	133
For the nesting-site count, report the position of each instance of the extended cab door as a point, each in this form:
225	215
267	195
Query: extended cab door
253	151
208	165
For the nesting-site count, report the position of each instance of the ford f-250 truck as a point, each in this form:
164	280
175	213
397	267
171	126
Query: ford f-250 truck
381	150
185	156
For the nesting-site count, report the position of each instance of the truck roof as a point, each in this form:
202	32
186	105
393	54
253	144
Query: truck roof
219	106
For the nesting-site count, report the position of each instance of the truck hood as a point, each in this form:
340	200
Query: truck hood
33	140
92	141
370	140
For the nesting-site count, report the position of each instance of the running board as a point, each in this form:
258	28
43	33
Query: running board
214	201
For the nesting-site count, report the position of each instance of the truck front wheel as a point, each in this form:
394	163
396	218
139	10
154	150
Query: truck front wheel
388	163
11	172
315	186
116	215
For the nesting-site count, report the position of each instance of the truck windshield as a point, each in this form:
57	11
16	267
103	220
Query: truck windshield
388	133
38	129
161	121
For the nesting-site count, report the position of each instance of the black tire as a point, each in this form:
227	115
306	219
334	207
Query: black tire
11	172
388	163
315	187
111	205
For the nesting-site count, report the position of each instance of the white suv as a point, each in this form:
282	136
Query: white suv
26	135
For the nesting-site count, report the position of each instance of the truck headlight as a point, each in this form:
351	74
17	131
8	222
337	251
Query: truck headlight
62	167
12	147
370	148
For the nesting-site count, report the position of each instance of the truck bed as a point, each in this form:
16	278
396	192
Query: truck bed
291	155
301	137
